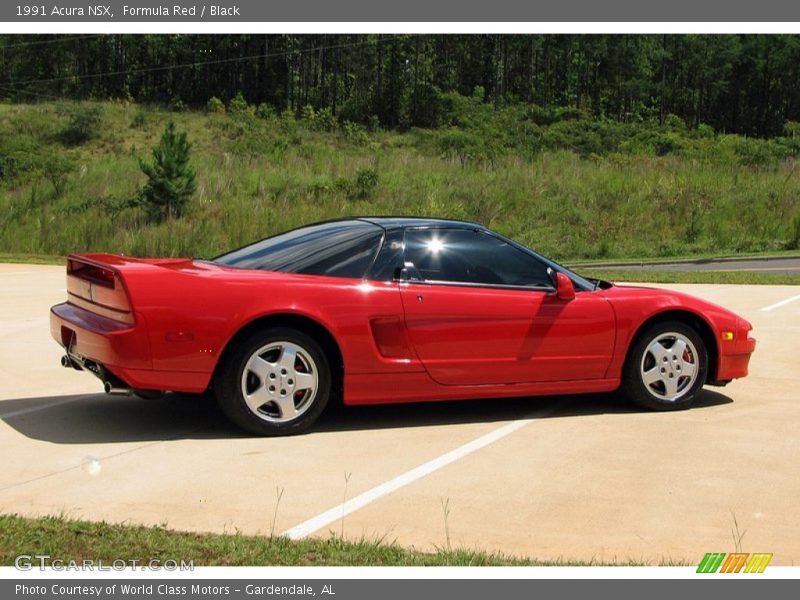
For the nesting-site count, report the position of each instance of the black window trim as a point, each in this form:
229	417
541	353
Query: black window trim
378	248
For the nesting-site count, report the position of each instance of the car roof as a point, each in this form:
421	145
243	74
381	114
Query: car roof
401	222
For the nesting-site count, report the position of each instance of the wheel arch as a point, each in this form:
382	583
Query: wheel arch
691	319
300	322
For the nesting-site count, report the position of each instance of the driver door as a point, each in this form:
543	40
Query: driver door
480	311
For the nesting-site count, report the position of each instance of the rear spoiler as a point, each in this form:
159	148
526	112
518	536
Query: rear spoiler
97	285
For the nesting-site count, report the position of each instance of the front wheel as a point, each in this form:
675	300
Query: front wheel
666	368
277	382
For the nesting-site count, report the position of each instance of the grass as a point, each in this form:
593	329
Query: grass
256	177
68	539
32	259
634	260
740	278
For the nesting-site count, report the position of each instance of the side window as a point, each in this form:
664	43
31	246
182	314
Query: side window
349	258
338	249
470	256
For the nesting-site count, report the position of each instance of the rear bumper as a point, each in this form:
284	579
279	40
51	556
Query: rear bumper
99	338
122	349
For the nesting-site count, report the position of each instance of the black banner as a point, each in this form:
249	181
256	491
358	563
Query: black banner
390	589
52	11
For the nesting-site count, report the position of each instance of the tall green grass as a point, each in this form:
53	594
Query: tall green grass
259	176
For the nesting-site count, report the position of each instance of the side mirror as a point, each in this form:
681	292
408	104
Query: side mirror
564	288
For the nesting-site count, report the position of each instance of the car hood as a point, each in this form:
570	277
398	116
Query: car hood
653	300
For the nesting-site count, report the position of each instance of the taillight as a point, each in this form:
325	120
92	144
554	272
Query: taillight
99	290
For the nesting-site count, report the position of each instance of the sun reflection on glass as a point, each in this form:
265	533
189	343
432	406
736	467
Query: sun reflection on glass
435	245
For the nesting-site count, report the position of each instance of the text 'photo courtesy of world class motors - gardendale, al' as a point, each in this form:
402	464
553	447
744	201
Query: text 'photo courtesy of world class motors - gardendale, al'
381	284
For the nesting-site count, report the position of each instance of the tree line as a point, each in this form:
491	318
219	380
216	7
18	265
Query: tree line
743	84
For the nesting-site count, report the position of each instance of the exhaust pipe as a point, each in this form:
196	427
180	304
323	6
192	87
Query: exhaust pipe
116	390
70	363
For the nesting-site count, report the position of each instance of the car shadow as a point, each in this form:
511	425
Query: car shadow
101	419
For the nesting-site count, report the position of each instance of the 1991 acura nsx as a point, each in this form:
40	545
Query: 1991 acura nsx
380	310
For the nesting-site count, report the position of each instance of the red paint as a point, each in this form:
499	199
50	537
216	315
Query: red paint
400	341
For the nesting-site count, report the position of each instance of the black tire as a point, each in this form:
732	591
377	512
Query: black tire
229	384
655	396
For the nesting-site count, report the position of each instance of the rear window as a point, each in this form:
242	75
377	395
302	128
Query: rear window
337	249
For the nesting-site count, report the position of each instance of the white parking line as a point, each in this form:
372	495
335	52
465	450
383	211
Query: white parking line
779	304
338	512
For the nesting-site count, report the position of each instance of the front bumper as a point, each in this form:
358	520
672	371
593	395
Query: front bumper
735	356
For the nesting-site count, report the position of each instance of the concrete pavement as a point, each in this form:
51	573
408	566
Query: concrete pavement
576	478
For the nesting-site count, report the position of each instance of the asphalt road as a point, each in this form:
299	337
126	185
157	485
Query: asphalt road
571	477
777	266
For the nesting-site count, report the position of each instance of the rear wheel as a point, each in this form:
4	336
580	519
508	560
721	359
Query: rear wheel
666	367
277	382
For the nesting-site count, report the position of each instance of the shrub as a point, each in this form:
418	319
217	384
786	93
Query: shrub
539	115
215	105
674	123
139	119
570	113
753	152
171	178
83	124
18	155
463	145
668	143
585	138
177	105
324	120
57	168
307	113
366	182
355	133
791	129
705	131
265	111
259	141
239	106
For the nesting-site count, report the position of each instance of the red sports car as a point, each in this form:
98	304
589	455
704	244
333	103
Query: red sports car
379	310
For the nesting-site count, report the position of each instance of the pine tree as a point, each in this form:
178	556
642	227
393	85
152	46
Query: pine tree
171	178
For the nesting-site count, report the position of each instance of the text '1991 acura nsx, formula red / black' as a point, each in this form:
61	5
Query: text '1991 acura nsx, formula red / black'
380	310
